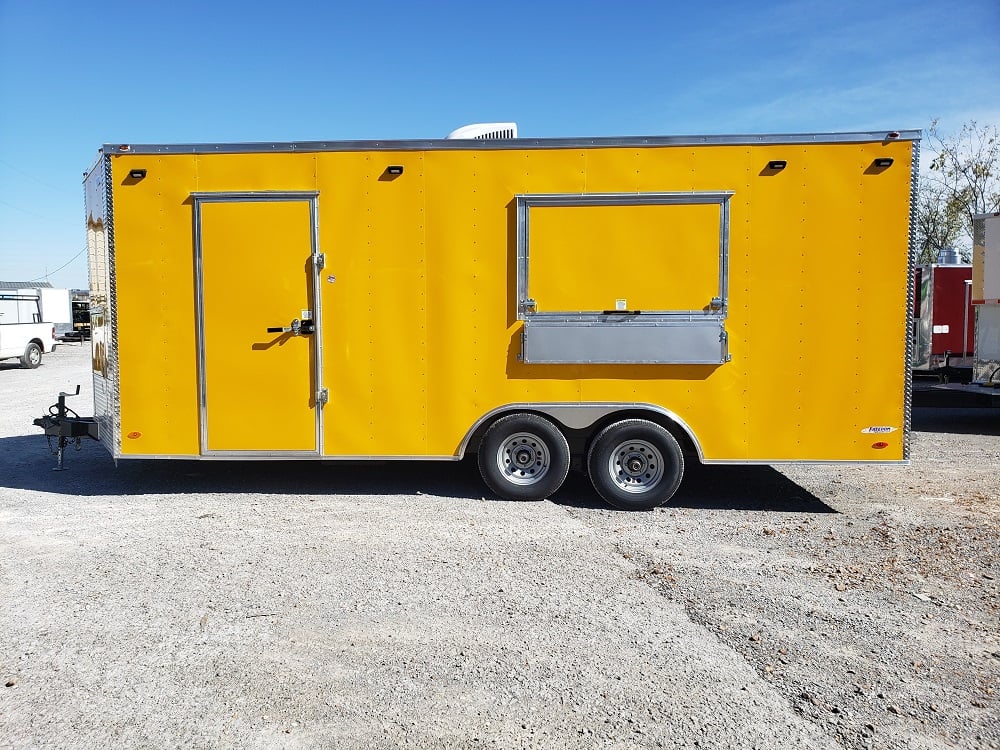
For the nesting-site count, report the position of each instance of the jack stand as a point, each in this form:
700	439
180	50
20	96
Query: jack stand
64	424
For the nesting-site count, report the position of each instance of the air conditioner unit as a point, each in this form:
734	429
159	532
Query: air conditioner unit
486	131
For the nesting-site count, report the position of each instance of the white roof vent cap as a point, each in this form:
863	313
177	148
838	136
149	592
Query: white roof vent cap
486	131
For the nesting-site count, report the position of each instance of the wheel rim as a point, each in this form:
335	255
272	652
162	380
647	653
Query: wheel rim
34	356
636	466
523	458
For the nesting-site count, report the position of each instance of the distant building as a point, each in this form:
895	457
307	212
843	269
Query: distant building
17	286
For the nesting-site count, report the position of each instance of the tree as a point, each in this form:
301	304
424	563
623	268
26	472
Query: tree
964	180
938	222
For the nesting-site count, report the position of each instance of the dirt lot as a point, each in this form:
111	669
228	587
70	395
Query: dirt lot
312	605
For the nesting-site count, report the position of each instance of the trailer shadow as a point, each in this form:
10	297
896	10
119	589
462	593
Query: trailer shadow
27	464
957	421
755	488
746	488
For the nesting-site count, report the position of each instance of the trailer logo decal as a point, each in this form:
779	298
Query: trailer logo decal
878	430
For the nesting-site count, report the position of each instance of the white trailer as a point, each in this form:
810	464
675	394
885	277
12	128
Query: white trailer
984	390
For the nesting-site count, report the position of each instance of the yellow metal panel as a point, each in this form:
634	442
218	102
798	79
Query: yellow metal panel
374	299
256	274
154	270
256	172
826	281
654	257
419	294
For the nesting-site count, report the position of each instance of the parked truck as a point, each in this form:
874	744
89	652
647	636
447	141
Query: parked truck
620	305
24	334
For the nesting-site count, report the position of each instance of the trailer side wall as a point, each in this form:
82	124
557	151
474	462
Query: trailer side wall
420	331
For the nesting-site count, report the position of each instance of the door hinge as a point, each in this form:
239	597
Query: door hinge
320	261
322	397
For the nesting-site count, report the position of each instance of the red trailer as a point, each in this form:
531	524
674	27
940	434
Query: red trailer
943	321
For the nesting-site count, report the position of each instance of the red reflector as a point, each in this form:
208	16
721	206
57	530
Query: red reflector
134	435
879	446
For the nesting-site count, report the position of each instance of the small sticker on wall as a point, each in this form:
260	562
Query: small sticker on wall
878	430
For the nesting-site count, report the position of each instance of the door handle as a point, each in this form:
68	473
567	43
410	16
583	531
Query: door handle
297	328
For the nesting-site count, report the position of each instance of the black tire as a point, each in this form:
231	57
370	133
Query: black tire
635	464
524	457
32	356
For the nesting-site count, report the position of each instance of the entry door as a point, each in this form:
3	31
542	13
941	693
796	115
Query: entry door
256	255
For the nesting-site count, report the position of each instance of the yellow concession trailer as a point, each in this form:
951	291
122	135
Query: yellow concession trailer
616	304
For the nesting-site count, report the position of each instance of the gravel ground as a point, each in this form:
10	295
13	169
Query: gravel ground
169	604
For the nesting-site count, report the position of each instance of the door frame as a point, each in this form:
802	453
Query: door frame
276	196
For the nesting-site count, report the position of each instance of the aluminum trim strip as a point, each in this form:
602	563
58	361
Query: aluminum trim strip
115	434
250	196
452	459
626	199
911	271
441	144
199	302
312	457
260	454
803	462
317	312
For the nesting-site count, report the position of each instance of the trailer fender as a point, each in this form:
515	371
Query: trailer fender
588	419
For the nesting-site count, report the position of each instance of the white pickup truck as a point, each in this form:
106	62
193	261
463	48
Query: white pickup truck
23	334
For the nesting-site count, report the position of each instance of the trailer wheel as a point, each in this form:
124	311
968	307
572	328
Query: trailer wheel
524	457
635	464
32	356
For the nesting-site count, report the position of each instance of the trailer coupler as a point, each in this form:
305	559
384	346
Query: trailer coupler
64	424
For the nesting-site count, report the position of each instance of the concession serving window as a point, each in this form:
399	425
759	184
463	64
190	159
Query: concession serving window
623	277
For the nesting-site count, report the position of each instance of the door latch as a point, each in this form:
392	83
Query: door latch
297	328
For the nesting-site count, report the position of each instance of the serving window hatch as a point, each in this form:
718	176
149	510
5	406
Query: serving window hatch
623	277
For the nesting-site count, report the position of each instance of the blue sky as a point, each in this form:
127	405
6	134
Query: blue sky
75	75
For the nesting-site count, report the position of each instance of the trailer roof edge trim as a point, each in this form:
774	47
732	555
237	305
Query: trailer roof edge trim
512	144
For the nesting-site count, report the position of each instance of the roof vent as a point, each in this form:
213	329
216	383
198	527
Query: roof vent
486	131
948	256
